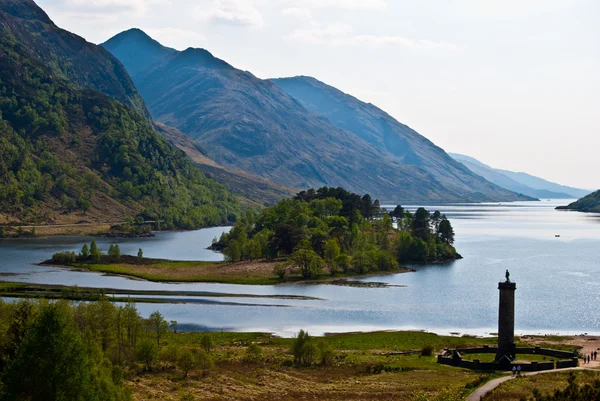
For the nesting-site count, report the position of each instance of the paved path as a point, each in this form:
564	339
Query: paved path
478	394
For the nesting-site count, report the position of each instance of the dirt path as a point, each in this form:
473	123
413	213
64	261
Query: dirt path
478	394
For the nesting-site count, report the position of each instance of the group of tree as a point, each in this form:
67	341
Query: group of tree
65	149
66	351
92	254
573	392
333	229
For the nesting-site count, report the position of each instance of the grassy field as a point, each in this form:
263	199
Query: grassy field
363	369
246	272
522	388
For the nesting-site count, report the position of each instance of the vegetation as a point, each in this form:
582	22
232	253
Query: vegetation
589	203
65	150
553	386
339	231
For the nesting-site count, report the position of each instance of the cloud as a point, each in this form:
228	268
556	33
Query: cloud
340	34
230	12
108	6
175	37
347	4
297	12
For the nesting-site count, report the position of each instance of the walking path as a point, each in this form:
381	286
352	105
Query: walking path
478	394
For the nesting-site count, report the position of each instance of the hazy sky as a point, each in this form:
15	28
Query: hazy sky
514	83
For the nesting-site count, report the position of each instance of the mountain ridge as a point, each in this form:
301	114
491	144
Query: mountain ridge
243	122
518	182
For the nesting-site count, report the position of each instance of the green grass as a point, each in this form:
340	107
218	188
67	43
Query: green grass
403	341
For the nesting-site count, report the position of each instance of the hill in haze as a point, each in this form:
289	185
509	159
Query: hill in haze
521	182
589	204
76	140
246	123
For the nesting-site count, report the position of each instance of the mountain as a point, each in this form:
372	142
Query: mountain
76	142
520	182
253	190
589	203
246	123
385	133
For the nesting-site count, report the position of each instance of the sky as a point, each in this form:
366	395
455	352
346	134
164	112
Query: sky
513	83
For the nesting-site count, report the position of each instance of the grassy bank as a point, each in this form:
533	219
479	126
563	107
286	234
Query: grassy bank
522	388
257	272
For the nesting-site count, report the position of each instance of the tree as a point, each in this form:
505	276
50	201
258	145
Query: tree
54	364
173	326
158	325
343	262
303	349
397	213
186	361
233	251
85	252
420	226
206	342
147	353
303	259
332	252
115	252
445	231
94	252
203	360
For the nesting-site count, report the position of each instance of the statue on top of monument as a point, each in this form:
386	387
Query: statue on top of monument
507	276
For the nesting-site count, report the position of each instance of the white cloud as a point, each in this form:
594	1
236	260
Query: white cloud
230	12
175	37
348	4
340	34
109	6
297	12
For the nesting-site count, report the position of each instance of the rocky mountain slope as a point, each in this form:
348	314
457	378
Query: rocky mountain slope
76	142
246	123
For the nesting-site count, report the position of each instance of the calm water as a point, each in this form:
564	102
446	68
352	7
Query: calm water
558	279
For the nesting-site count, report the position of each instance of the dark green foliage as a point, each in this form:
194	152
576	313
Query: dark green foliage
53	363
254	353
147	353
333	228
206	342
64	145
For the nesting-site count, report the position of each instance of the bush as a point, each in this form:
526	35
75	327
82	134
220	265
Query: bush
186	361
280	270
207	343
303	349
147	353
254	353
169	355
427	350
64	258
326	353
203	360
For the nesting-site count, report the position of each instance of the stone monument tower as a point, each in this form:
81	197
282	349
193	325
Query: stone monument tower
506	320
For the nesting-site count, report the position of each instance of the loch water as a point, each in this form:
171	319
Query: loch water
558	279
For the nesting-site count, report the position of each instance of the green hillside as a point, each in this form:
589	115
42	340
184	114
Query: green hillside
69	152
590	204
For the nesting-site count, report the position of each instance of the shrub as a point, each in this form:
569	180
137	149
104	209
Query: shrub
303	349
207	343
326	353
203	360
186	361
169	354
147	353
254	353
427	350
280	271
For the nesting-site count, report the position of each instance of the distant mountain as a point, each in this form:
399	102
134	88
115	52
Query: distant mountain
243	122
76	140
253	190
589	203
520	182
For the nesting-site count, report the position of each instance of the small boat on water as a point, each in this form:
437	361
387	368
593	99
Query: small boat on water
557	236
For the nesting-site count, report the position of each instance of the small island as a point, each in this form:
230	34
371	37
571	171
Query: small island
324	234
588	204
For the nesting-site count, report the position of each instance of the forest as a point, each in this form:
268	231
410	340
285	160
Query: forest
333	229
64	149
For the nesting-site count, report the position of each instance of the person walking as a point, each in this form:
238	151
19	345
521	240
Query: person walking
584	359
595	355
588	359
518	370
